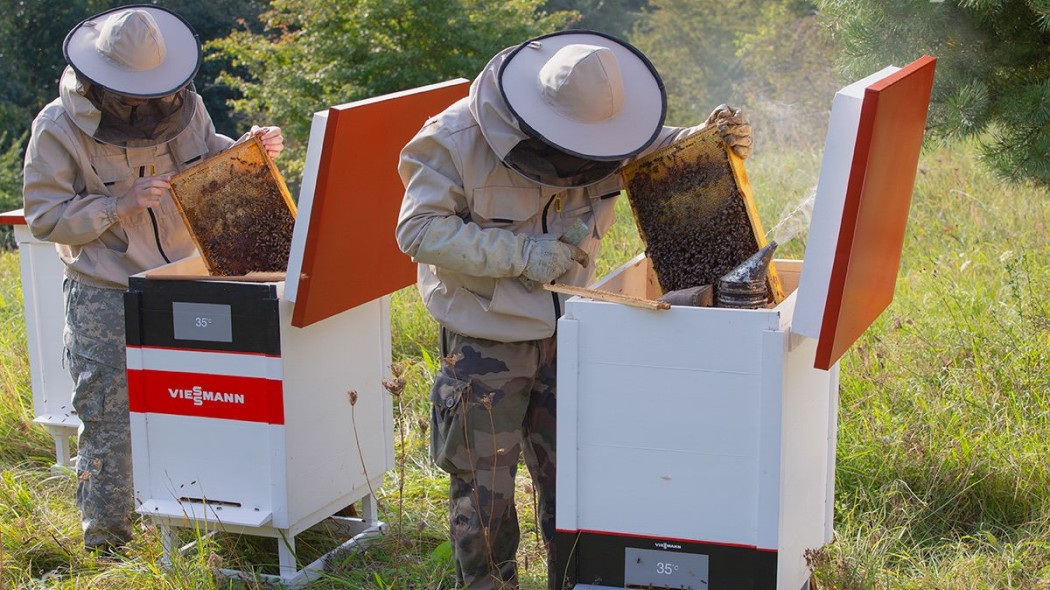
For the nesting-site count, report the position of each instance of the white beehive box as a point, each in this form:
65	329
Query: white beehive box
42	274
242	422
696	446
241	414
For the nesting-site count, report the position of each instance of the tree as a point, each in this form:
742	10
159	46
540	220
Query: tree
31	59
993	69
313	54
10	184
771	57
615	17
212	20
31	55
790	79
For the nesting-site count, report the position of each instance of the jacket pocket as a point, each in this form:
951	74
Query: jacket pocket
113	171
505	205
450	423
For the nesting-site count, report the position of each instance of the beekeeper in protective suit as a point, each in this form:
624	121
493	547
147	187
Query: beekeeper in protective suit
96	183
490	185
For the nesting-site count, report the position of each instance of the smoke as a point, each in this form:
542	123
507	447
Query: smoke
794	219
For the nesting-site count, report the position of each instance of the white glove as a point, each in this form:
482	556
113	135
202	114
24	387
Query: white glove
734	127
547	258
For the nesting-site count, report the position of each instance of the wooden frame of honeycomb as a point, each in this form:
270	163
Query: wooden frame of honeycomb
238	211
695	212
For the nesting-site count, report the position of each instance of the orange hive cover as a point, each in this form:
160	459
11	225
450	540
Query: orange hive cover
351	256
875	213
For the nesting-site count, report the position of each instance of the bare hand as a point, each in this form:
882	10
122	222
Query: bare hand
145	192
272	139
734	127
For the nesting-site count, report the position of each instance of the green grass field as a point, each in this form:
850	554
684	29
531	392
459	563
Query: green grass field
943	475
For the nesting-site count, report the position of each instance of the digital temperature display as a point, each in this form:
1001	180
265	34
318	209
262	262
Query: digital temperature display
202	321
650	568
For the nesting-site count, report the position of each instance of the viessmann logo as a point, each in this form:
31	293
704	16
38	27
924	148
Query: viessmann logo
667	546
198	396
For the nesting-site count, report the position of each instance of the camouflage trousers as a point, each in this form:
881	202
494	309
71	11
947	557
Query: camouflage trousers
492	401
95	355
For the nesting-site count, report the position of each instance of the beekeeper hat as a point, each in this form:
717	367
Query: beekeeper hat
141	51
586	93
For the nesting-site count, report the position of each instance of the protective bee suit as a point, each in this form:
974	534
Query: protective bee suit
490	185
95	183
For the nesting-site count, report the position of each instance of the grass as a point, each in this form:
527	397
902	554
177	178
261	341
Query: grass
944	420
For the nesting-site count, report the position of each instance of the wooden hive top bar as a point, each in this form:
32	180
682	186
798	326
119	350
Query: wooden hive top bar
694	210
238	211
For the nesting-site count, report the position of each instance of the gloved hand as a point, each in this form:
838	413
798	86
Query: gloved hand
548	258
734	127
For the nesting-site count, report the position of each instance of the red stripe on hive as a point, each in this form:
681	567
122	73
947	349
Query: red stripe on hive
203	350
667	539
227	397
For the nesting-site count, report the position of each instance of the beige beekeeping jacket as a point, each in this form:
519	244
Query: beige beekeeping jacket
72	183
465	217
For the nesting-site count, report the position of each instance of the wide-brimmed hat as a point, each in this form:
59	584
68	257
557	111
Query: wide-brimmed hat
586	93
137	50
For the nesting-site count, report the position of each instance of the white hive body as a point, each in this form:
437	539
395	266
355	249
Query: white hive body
242	421
42	273
697	450
696	445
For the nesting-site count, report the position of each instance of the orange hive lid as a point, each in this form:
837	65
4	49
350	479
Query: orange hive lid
343	248
861	209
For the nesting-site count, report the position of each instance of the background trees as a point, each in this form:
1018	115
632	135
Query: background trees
772	57
280	60
615	17
31	62
993	69
310	54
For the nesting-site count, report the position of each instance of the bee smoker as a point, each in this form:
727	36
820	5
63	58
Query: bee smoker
744	287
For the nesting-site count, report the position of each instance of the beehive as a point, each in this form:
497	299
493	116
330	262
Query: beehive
695	212
238	211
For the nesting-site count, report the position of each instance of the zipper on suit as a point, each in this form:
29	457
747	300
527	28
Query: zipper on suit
554	296
153	220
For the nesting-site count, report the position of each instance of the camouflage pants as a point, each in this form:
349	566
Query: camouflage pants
95	356
491	402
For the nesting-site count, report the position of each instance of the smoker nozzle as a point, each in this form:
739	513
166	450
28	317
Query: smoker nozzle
744	287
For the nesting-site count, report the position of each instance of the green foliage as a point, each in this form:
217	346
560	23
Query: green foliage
993	69
771	57
31	58
10	172
615	17
31	55
316	53
212	20
789	75
10	183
